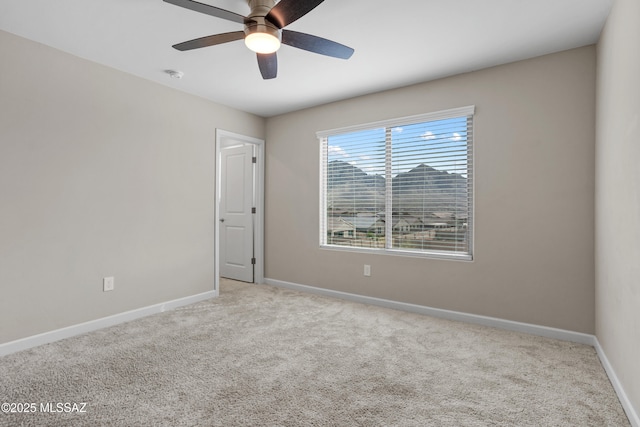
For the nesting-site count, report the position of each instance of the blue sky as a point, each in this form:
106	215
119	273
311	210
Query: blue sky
441	144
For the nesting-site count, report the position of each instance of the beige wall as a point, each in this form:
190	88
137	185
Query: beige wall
534	159
618	195
101	174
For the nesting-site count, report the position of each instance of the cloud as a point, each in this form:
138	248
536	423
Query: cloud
363	157
428	135
336	150
397	129
456	137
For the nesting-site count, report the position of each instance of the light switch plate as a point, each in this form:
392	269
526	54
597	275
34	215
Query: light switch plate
367	270
108	284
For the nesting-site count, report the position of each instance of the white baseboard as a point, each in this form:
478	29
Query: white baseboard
494	322
527	328
92	325
632	414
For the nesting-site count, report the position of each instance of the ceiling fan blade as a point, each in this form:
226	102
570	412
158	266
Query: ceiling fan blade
209	10
209	40
316	44
268	63
287	11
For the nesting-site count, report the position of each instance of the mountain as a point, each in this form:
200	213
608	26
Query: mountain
424	189
420	191
340	173
350	189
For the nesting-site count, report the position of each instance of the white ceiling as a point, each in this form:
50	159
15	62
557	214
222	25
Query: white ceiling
396	43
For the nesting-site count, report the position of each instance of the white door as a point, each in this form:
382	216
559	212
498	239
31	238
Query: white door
236	217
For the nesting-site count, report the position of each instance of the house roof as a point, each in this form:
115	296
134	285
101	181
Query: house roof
338	224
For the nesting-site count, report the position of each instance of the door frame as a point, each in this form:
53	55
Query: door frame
258	185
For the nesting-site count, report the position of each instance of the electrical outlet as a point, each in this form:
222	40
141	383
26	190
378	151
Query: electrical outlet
367	270
108	284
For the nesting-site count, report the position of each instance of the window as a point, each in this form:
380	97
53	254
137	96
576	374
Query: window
401	186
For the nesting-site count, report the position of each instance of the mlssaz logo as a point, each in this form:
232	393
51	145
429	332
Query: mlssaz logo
63	407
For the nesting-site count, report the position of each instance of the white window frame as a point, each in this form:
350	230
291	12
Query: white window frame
323	137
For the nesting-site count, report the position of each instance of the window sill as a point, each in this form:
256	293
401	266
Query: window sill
399	252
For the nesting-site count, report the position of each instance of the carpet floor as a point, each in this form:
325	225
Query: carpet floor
264	356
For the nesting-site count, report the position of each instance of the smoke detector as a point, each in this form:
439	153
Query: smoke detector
174	74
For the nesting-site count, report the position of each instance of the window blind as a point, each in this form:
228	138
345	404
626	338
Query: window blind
402	185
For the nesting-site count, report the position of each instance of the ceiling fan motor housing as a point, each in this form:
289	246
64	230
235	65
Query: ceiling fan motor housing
256	22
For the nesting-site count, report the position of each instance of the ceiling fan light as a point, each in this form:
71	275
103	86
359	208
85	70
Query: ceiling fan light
262	42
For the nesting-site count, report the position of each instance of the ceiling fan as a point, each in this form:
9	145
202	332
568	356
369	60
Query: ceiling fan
264	31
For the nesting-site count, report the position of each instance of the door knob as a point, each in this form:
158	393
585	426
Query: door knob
221	219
